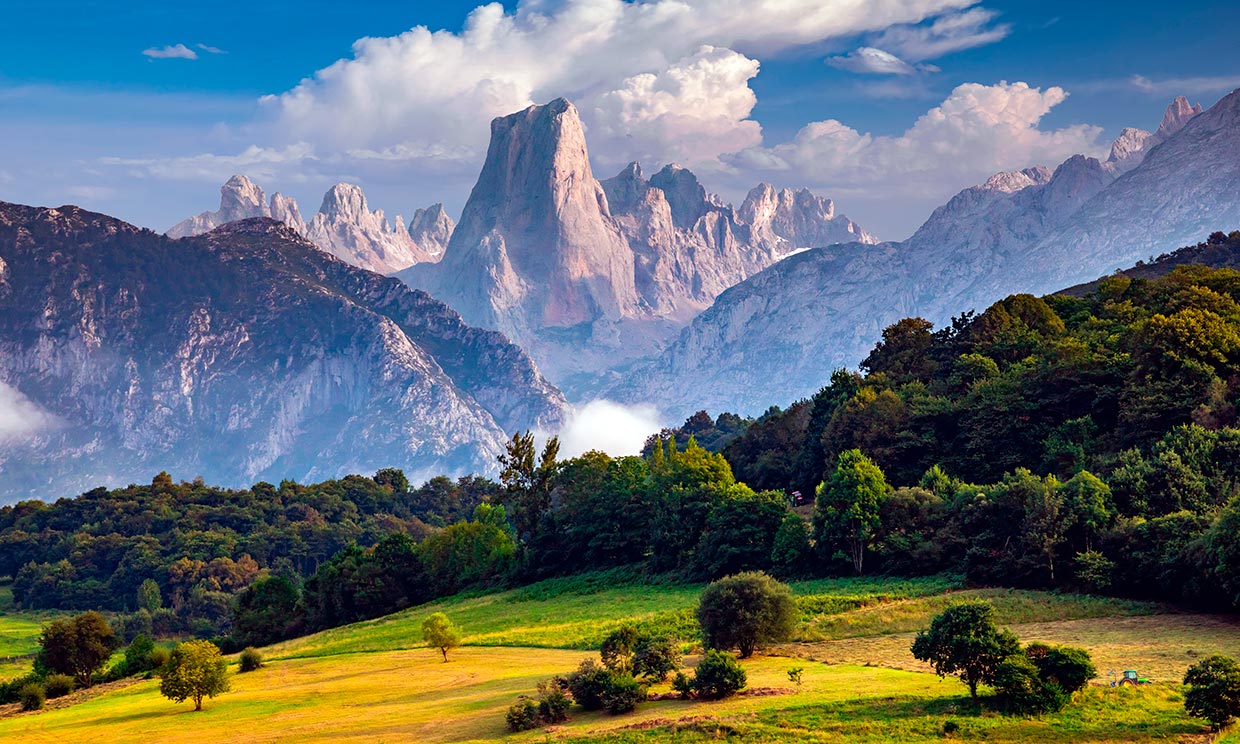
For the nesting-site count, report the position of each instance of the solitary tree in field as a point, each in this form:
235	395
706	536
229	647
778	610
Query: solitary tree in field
848	505
1213	690
964	641
195	670
746	611
78	646
439	632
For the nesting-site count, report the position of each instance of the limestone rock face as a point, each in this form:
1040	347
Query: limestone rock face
242	354
1130	148
344	225
589	275
777	336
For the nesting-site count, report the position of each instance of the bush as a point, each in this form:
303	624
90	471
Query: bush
250	659
746	611
31	696
1022	689
553	701
138	656
683	684
1213	690
159	657
523	714
10	691
58	685
622	693
718	675
1066	666
588	684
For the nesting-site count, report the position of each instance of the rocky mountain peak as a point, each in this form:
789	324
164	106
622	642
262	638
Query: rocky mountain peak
1012	181
626	189
240	198
684	192
431	229
345	201
1178	112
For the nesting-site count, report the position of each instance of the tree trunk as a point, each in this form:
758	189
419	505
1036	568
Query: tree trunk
445	654
972	688
198	702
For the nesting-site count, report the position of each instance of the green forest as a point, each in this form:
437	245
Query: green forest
1087	443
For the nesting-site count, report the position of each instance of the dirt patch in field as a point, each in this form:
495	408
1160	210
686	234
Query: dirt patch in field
1160	647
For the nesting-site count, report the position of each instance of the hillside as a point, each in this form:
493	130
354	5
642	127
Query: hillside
373	680
1218	252
243	354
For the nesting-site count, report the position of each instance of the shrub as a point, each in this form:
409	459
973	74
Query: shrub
588	683
1213	690
523	714
622	693
250	659
10	690
795	675
1066	666
963	640
950	727
159	657
718	675
746	611
138	655
553	701
1022	689
617	648
683	684
58	685
31	696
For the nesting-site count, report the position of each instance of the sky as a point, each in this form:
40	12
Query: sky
142	109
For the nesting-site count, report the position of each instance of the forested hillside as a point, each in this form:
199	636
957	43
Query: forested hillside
1085	443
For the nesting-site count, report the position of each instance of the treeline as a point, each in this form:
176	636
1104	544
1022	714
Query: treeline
200	546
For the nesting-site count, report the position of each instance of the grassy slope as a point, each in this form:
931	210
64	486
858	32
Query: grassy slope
19	635
372	681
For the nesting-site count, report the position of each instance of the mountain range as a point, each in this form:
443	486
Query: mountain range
241	354
344	226
779	334
589	275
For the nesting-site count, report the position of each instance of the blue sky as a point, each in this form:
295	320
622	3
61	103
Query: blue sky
86	117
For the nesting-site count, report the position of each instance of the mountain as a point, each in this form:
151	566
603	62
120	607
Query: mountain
589	275
344	225
245	353
1219	251
778	335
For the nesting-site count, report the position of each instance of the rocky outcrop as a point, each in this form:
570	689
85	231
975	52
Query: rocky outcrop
777	336
1130	148
589	275
344	226
242	354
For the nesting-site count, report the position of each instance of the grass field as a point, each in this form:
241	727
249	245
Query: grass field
373	682
19	635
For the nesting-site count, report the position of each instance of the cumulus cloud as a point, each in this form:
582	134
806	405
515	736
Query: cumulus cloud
608	427
172	51
977	131
874	61
694	58
20	418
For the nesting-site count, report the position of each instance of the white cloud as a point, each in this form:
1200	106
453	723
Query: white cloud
91	193
1184	86
872	61
172	51
608	427
257	162
210	49
944	34
436	87
977	131
19	417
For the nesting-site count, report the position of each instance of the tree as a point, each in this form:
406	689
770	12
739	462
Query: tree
718	675
439	632
1213	690
848	505
527	480
78	646
194	670
148	596
746	611
393	478
964	641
